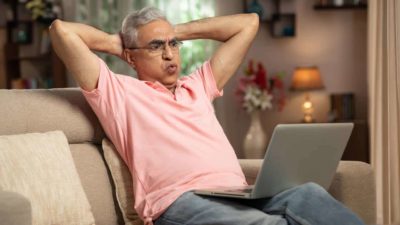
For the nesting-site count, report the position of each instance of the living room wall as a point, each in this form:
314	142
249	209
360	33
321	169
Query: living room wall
335	41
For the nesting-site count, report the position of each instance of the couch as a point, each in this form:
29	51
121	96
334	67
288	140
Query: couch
25	111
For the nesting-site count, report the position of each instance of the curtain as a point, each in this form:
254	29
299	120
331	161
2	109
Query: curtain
384	105
107	15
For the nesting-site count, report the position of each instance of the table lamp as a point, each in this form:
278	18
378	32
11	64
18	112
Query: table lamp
307	79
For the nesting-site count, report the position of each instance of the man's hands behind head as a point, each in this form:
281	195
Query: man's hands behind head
117	46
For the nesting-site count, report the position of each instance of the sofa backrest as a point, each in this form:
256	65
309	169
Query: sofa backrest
42	110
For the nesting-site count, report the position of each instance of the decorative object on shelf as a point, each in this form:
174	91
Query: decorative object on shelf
256	92
20	33
255	7
283	25
307	79
265	8
44	11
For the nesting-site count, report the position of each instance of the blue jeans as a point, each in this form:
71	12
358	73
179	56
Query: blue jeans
307	204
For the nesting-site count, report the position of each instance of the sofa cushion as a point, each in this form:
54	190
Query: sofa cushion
97	183
39	166
123	183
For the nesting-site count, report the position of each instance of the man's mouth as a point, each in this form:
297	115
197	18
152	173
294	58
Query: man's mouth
171	68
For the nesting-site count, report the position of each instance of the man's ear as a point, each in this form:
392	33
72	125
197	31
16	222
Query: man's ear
129	57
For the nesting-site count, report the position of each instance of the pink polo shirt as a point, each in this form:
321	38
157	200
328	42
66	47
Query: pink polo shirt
172	143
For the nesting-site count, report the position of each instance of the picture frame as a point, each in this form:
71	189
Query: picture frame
264	8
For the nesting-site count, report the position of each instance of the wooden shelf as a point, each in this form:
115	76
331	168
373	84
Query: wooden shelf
342	7
48	72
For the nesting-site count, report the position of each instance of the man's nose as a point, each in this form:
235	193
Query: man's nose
167	53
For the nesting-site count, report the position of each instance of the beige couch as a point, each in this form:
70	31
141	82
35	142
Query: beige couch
24	111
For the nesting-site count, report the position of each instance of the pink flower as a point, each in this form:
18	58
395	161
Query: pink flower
261	77
256	92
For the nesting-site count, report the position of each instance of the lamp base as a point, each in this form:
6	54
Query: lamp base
308	119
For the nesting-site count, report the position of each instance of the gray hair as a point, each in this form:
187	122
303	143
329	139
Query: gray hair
136	19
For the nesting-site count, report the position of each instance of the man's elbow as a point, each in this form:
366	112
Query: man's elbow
57	27
254	20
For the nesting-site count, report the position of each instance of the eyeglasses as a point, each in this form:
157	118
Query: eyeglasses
159	46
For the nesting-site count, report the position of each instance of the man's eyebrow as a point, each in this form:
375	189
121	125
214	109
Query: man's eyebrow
158	41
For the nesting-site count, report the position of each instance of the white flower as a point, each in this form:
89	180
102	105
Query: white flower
255	98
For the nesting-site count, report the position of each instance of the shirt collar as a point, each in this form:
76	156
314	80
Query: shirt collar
158	86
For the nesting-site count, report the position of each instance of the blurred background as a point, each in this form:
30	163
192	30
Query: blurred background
329	36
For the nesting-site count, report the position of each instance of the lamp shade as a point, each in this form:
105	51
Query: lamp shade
306	78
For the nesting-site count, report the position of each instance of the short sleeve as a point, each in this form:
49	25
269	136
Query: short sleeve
108	96
206	76
107	102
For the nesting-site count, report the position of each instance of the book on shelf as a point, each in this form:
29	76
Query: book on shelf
30	83
342	107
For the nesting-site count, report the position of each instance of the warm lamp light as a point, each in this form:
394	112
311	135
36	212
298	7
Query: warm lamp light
307	79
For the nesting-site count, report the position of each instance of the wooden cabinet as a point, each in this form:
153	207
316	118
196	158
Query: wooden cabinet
28	57
357	148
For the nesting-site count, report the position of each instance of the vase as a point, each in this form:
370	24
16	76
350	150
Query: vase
255	141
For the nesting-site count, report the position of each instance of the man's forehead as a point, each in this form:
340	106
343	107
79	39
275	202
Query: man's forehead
156	30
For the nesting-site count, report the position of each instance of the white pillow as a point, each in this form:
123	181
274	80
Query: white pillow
40	167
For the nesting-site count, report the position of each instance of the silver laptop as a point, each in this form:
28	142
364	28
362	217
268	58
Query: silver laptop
296	154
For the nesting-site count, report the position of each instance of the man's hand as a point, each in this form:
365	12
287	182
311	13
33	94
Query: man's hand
235	31
74	42
118	49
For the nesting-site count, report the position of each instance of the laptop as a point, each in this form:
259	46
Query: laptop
296	154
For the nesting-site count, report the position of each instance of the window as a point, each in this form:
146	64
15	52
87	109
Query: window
107	15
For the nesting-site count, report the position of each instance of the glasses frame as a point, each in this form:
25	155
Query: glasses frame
162	49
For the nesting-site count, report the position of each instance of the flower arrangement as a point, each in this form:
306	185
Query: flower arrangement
258	92
44	11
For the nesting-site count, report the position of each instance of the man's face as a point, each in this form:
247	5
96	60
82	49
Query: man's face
157	57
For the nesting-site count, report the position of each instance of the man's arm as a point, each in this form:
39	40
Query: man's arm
73	43
235	31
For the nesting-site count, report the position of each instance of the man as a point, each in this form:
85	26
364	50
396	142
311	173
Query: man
164	126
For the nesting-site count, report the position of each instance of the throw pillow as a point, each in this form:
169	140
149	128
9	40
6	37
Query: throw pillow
123	183
40	167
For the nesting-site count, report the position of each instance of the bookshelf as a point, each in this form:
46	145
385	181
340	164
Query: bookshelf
29	59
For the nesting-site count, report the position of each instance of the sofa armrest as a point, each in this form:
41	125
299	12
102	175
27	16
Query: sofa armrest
15	209
353	185
250	169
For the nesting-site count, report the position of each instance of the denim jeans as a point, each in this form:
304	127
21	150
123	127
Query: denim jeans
307	204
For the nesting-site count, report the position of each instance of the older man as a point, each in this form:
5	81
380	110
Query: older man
164	126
